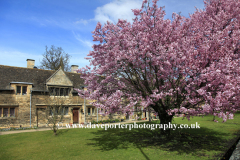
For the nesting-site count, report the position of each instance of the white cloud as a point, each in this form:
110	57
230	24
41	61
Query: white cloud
83	21
67	24
86	43
122	9
118	9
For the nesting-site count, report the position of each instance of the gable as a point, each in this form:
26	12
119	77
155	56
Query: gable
59	78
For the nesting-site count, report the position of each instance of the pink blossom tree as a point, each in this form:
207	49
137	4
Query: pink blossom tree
185	66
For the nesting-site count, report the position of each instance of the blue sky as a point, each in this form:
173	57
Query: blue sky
27	26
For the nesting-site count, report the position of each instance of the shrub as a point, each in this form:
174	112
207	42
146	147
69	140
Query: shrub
105	121
93	122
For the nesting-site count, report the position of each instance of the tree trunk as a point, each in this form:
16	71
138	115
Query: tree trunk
55	129
165	119
55	132
213	118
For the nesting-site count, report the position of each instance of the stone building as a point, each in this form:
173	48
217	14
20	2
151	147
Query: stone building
25	93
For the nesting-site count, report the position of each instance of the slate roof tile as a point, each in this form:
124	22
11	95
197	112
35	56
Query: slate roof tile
32	75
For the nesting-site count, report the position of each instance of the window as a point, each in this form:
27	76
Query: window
12	112
53	110
21	90
58	111
51	91
65	110
55	91
61	91
89	111
7	112
24	90
18	89
66	91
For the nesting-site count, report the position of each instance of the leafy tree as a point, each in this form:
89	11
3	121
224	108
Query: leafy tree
185	66
54	57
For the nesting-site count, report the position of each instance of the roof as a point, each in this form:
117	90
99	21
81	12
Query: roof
10	74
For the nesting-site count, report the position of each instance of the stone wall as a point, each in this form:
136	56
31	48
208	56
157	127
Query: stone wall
21	103
39	102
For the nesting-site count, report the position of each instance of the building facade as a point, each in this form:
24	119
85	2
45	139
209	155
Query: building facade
25	94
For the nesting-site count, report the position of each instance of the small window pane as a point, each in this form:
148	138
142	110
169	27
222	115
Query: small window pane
0	112
65	110
5	112
53	111
89	112
54	91
66	91
62	110
12	112
57	91
24	90
57	110
61	91
93	111
18	89
50	111
51	90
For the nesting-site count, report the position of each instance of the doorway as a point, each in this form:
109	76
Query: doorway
76	115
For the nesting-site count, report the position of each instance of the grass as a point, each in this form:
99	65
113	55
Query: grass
211	141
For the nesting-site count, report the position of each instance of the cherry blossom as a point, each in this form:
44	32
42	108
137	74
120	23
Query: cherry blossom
182	66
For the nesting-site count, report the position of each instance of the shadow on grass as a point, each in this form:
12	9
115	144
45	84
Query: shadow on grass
189	141
62	131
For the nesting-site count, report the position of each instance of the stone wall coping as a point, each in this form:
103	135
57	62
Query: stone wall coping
8	117
9	105
63	104
21	83
57	85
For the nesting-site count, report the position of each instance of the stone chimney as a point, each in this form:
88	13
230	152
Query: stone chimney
30	63
74	68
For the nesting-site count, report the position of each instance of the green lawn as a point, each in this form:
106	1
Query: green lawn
209	142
